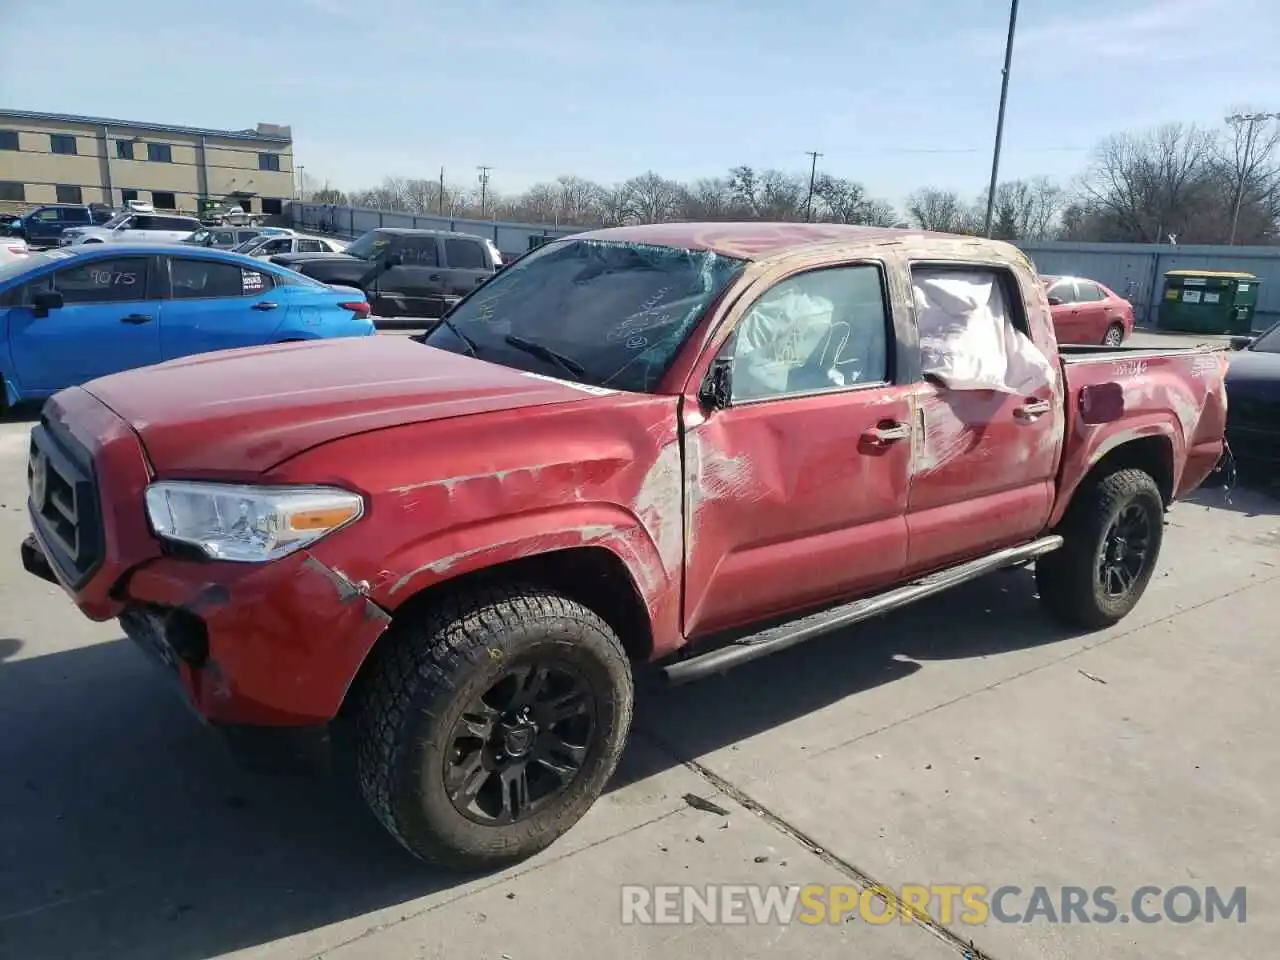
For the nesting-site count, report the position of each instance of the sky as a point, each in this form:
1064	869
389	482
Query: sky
896	95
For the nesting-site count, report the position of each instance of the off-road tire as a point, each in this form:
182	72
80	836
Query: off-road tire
1068	578
429	668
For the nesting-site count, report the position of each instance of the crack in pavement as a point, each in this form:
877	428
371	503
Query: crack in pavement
779	823
859	876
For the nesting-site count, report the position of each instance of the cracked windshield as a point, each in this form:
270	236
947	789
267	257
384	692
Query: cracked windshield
712	480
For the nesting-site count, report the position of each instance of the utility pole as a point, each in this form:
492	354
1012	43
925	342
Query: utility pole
302	184
440	206
484	186
1252	120
1004	95
813	176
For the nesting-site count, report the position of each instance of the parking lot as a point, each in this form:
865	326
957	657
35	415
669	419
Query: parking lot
968	740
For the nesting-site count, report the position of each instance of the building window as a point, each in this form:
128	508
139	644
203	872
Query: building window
127	195
68	194
9	140
124	149
269	161
163	201
62	143
12	191
160	153
272	207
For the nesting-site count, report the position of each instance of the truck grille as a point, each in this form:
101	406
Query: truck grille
63	499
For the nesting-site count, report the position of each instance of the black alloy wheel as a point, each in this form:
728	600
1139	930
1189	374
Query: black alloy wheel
521	743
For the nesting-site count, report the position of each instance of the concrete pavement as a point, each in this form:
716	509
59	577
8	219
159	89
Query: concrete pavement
968	740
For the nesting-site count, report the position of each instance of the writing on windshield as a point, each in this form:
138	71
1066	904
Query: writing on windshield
618	311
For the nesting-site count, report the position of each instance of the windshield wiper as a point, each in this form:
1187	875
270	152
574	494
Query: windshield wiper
466	341
543	352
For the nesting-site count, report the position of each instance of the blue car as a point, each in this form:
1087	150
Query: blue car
68	316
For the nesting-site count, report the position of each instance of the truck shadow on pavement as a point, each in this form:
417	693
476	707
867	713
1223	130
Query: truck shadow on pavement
128	830
1255	498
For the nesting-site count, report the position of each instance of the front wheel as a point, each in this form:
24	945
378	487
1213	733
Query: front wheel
489	726
1112	534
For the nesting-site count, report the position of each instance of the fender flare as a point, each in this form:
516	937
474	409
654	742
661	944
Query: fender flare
451	553
1163	424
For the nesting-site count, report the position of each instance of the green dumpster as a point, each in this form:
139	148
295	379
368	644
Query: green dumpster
1207	301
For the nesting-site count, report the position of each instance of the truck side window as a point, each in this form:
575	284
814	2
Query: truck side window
465	255
821	330
973	331
420	251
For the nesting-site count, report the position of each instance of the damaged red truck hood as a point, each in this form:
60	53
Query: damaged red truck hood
245	411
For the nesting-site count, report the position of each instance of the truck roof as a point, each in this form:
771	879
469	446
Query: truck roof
758	240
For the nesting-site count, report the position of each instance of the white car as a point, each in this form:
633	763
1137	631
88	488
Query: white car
139	223
269	244
12	248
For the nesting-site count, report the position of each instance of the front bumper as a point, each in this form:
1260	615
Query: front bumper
274	644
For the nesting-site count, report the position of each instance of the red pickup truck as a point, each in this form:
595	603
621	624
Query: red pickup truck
686	444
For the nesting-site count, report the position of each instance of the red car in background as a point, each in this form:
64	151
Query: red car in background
1084	311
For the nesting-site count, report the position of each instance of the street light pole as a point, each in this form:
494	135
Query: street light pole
1236	120
1004	95
813	175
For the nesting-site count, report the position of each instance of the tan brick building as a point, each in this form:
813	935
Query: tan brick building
54	158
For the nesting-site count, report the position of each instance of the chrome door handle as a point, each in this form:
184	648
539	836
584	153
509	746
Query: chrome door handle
890	432
1033	409
264	305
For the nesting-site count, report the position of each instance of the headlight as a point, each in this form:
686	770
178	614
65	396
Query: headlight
248	524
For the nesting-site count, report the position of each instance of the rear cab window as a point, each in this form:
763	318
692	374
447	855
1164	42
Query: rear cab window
973	329
465	254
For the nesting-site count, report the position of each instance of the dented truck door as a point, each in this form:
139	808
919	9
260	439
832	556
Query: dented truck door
989	419
798	455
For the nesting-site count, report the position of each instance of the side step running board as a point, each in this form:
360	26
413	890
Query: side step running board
773	639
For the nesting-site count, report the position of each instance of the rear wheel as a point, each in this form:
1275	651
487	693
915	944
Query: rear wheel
1114	335
1112	534
490	725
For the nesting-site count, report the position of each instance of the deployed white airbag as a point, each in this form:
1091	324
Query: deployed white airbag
967	338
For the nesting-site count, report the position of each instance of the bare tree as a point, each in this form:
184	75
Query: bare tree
707	199
940	210
651	198
880	213
1250	160
1024	209
1145	186
579	200
781	195
843	201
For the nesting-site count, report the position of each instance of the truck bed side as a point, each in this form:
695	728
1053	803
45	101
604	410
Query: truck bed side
1173	400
